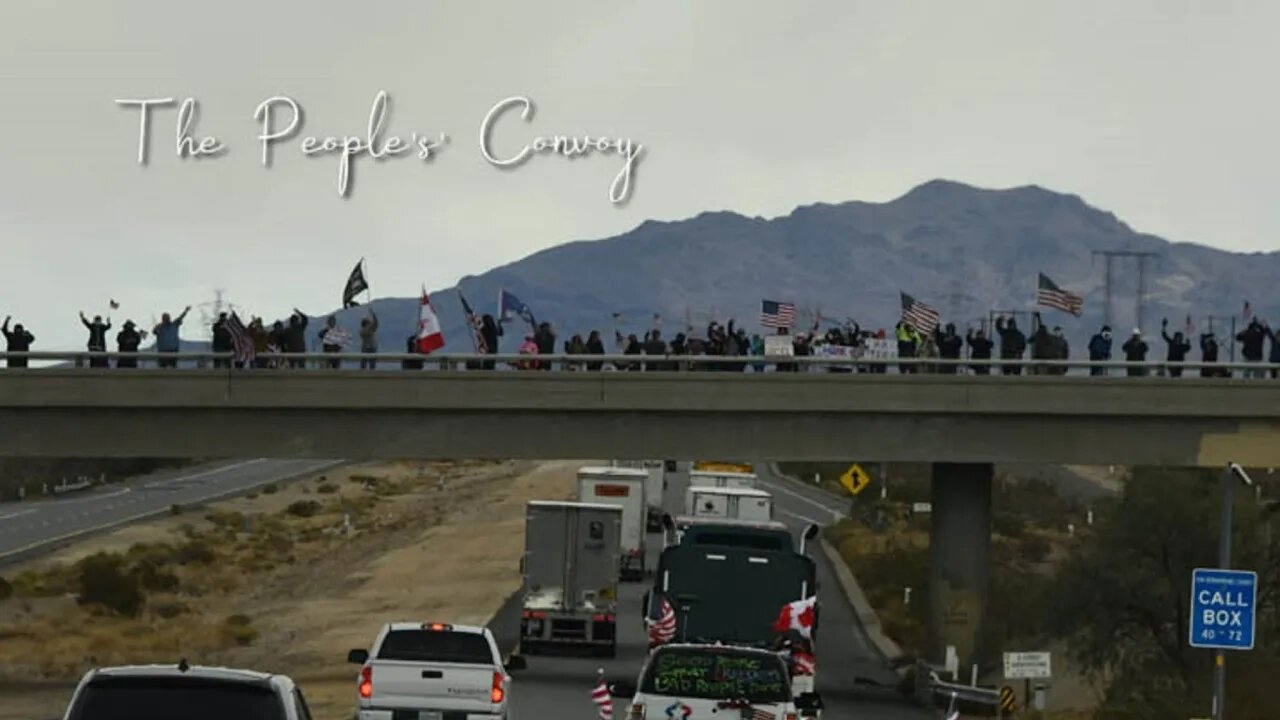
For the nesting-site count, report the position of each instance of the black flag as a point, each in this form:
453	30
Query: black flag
355	285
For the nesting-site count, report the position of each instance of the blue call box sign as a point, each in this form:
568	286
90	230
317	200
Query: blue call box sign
1223	608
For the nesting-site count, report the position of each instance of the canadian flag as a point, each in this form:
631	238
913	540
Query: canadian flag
429	335
797	616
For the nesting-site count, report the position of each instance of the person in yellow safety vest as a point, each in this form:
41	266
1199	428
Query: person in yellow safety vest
908	341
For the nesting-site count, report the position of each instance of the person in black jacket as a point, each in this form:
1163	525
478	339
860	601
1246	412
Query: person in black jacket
1209	354
1100	349
97	338
1135	350
545	338
295	338
19	340
595	346
1251	340
979	349
1043	347
655	345
127	342
221	340
490	332
632	347
411	348
1178	347
949	347
1012	343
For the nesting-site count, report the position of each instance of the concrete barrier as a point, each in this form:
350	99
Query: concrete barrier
866	614
505	624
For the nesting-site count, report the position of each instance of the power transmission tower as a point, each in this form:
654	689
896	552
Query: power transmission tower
1142	257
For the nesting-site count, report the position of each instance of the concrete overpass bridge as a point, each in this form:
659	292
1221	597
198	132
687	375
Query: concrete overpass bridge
455	413
960	423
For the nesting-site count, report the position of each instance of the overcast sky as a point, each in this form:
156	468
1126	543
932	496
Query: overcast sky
1163	112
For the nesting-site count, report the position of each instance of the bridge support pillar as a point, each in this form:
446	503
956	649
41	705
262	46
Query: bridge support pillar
959	550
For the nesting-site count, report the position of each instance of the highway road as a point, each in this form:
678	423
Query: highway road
28	528
552	687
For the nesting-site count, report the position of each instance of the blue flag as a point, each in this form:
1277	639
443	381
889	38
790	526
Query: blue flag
510	307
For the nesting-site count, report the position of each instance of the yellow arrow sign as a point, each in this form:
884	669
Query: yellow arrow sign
855	479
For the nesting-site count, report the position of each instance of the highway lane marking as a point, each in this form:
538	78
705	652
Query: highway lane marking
798	516
20	513
55	504
324	465
205	473
773	486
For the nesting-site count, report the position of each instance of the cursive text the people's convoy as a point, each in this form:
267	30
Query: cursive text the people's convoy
279	121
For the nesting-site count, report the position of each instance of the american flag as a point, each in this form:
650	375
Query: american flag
918	315
758	714
1050	295
475	323
777	314
600	696
241	341
664	629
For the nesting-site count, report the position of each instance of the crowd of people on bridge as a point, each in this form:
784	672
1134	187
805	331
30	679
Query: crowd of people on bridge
1259	343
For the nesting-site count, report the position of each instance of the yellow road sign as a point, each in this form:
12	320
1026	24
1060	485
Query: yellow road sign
855	479
1007	698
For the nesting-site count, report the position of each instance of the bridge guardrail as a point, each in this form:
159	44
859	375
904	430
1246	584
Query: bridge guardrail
223	362
968	699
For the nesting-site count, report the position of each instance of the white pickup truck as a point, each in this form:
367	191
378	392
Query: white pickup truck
167	692
432	671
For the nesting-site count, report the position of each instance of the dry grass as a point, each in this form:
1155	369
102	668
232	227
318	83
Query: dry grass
304	589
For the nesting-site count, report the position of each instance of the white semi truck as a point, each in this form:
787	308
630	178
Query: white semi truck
570	569
626	489
722	478
731	503
653	488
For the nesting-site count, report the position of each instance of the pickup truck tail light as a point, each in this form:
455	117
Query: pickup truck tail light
496	694
637	712
366	682
792	716
602	618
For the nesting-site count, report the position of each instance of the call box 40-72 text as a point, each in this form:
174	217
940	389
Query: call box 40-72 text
1223	606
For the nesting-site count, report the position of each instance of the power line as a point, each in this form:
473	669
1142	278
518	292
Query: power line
1142	257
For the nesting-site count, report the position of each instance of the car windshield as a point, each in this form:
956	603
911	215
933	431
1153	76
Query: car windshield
168	698
717	673
435	646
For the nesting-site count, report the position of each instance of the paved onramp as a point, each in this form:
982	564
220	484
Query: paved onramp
554	687
31	527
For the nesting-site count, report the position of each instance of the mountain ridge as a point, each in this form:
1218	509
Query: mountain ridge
965	250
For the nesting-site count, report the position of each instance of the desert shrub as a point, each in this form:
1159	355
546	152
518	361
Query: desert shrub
270	489
175	509
238	629
153	576
303	508
195	552
170	609
273	543
1009	525
6	589
327	488
1034	548
105	583
226	519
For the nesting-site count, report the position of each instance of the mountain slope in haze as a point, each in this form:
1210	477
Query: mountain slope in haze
964	250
